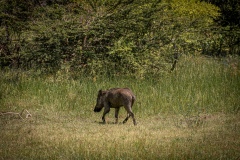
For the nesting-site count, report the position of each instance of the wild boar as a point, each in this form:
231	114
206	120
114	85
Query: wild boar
116	98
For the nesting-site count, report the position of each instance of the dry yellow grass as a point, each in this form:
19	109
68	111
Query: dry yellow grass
57	136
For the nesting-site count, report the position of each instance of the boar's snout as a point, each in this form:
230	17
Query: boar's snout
97	109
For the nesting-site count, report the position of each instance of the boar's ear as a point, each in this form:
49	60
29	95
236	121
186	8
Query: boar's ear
100	92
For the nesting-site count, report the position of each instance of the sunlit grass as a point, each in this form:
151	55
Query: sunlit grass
191	113
66	137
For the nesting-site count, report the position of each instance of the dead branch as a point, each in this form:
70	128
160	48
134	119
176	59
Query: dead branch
16	113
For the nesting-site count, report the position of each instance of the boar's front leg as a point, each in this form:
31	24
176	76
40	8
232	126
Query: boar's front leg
116	114
106	110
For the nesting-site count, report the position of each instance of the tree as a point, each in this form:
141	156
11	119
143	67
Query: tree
230	12
106	36
228	27
14	15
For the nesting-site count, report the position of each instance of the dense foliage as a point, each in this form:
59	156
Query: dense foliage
110	37
229	32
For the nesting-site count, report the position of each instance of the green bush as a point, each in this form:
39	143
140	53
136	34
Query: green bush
113	38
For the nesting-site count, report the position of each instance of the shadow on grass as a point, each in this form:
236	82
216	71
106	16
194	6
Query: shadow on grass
108	123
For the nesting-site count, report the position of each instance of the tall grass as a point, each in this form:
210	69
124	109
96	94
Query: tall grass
198	84
191	113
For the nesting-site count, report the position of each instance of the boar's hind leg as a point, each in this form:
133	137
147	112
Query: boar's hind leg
126	119
130	114
106	110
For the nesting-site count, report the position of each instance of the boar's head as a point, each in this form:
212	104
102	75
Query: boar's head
100	101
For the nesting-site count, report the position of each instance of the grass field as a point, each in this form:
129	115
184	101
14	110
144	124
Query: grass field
191	113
